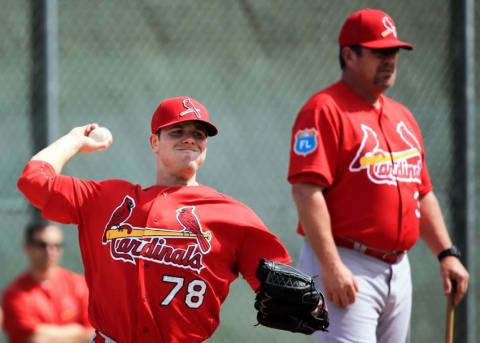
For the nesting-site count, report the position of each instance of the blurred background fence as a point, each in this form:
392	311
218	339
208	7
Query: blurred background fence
253	63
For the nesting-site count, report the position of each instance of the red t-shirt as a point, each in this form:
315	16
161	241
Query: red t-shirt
158	261
370	161
27	303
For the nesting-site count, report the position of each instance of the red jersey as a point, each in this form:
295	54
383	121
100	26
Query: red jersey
370	161
27	303
158	261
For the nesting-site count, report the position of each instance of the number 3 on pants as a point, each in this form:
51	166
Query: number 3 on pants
195	291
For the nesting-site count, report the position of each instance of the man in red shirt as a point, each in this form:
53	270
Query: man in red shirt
363	192
47	303
159	260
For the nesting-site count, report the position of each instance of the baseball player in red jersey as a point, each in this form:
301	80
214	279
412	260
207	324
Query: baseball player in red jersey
159	260
363	192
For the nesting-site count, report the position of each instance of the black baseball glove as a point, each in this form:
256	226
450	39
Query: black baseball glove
286	299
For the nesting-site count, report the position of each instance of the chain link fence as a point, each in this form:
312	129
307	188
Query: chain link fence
253	63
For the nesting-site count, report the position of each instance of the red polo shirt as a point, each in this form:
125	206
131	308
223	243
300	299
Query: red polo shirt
60	301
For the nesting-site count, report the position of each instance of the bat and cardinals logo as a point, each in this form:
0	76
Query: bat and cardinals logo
385	167
389	27
129	243
190	108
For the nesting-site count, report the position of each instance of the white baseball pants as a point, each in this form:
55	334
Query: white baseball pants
382	309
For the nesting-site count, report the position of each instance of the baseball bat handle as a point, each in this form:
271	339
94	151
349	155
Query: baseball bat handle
450	314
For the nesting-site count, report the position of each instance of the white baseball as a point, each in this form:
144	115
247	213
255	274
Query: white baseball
101	134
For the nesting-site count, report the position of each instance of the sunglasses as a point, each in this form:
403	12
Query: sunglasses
44	245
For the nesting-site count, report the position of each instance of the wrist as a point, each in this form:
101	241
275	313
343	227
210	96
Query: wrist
452	251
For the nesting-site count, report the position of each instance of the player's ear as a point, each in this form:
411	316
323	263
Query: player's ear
154	142
347	54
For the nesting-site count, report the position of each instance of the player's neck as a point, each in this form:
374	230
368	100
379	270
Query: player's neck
43	274
370	94
175	180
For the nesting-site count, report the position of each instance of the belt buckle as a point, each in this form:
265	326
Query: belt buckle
385	257
395	255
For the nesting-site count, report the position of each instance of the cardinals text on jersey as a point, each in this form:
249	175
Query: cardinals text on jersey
384	167
128	243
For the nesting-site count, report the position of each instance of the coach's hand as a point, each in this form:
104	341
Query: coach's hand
340	285
451	268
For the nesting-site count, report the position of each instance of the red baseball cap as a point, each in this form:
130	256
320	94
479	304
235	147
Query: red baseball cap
176	110
371	28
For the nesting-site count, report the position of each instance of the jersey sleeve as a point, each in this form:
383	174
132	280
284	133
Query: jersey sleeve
426	185
259	243
19	321
59	197
314	146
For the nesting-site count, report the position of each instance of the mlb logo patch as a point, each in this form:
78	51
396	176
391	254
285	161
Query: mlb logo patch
305	142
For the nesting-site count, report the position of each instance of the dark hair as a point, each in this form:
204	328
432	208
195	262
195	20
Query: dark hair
356	48
33	228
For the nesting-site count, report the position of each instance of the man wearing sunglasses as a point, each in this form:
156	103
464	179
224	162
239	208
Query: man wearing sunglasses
363	192
47	303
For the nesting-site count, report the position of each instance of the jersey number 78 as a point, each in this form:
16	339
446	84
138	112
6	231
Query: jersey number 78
195	291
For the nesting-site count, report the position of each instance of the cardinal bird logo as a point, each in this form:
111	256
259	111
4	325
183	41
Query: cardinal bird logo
120	216
188	219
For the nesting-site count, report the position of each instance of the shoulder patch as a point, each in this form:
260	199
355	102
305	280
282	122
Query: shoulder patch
305	141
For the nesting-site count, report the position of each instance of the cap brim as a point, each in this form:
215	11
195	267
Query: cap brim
387	44
211	129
